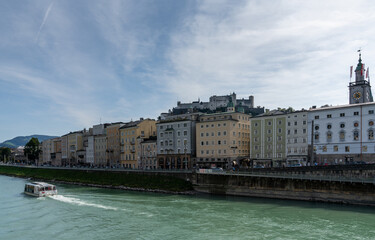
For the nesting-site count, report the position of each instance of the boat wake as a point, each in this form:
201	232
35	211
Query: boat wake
79	202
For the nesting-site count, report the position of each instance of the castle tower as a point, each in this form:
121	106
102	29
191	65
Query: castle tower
360	90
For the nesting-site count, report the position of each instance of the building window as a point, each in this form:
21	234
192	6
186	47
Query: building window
279	130
225	133
355	135
356	113
335	148
342	136
356	124
342	114
347	148
316	117
324	148
304	130
202	143
288	123
364	148
269	123
295	123
185	133
304	122
317	127
371	134
329	116
329	136
269	131
371	123
295	131
202	126
342	125
316	136
370	111
202	134
329	126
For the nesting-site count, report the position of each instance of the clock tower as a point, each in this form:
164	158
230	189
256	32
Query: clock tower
360	90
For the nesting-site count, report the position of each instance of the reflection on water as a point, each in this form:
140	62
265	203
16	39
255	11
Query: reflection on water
93	213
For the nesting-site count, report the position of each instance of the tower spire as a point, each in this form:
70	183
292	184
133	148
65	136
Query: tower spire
360	90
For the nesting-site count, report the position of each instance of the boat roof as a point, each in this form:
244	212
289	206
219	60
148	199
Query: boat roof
43	184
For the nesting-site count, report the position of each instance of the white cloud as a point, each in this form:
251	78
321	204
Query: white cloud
285	53
44	20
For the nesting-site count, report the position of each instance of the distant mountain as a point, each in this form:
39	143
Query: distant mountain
22	140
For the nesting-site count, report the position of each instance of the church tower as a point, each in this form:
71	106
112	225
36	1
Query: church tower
360	90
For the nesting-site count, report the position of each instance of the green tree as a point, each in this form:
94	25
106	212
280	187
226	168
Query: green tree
5	153
32	150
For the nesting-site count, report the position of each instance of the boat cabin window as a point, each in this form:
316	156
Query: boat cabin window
29	188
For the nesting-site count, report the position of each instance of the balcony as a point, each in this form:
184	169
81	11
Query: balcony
132	142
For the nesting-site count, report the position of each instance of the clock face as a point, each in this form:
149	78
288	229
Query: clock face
357	95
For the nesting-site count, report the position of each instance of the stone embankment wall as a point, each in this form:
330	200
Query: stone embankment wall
347	171
284	188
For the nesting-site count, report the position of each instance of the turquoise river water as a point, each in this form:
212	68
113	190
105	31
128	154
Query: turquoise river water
93	213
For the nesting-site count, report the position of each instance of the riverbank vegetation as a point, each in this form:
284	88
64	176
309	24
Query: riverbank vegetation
130	180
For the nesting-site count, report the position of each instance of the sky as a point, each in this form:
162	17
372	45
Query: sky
67	65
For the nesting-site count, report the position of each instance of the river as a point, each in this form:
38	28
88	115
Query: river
94	213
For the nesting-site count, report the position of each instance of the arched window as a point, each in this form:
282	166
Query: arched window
316	136
342	136
329	136
355	135
371	134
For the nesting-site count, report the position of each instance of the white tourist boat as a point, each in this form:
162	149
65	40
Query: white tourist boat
40	189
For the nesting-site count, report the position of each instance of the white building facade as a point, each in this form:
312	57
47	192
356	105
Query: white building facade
342	134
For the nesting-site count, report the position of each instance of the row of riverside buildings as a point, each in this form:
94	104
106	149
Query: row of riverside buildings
228	132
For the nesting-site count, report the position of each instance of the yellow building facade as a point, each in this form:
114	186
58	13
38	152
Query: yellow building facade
75	145
113	144
223	139
129	133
